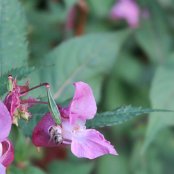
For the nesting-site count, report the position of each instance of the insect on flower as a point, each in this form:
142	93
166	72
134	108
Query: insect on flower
55	133
85	143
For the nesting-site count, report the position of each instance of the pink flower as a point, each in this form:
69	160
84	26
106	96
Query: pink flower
127	10
85	143
6	148
14	104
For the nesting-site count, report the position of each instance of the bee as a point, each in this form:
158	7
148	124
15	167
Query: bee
55	133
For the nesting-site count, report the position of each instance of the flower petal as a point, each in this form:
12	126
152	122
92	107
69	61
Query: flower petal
0	149
12	102
128	10
64	112
8	153
91	144
83	105
5	121
70	22
2	169
40	136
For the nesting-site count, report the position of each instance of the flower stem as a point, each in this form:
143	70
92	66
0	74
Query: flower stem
33	102
35	87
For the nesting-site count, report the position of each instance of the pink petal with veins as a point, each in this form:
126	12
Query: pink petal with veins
5	122
83	105
91	144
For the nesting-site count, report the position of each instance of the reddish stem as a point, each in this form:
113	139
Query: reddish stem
34	102
35	87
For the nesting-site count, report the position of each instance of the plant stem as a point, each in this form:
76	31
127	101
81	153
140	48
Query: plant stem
35	87
33	102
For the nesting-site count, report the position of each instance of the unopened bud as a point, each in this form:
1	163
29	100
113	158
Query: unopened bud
10	83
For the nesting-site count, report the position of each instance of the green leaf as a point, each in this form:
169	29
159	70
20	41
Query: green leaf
114	94
159	157
28	170
119	116
146	163
101	8
129	68
80	58
19	73
21	144
43	22
53	107
13	45
153	35
33	170
111	164
70	3
14	170
70	167
161	95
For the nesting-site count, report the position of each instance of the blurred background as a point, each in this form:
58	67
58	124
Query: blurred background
124	50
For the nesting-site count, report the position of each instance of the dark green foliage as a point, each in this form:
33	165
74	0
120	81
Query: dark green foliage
119	116
13	43
18	73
